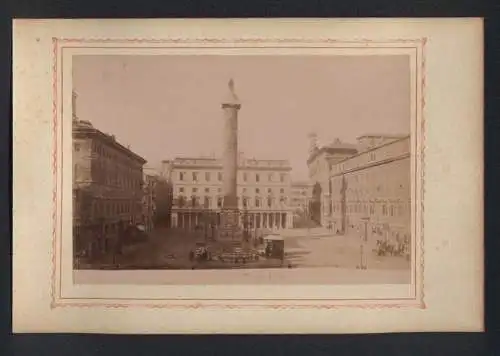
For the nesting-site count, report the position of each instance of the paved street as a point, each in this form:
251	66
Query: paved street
317	248
304	249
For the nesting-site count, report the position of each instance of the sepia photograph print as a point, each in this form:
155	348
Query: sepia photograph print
213	176
244	162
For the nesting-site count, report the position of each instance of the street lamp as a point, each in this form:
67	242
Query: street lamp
363	264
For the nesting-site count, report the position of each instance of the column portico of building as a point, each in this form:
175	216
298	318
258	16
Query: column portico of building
173	219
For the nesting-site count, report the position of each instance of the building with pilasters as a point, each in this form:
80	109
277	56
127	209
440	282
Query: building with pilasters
263	191
319	165
371	190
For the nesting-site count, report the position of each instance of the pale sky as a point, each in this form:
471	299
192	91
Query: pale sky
166	106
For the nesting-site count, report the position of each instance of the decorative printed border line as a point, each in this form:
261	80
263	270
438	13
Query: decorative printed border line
422	168
55	303
218	40
54	168
234	306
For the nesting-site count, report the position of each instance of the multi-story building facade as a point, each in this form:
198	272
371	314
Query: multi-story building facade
319	164
149	202
107	187
263	192
300	198
371	190
157	200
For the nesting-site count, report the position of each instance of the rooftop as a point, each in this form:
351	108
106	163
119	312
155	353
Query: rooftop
86	128
375	135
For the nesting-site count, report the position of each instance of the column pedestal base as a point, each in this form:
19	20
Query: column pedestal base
230	231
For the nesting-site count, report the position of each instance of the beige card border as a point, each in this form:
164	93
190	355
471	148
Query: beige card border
419	190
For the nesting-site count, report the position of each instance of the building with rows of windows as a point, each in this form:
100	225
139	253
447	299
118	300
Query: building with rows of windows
300	196
263	192
107	188
319	164
371	190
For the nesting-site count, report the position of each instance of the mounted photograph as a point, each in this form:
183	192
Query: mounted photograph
220	162
247	176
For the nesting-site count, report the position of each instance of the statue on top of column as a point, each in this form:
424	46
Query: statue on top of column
231	98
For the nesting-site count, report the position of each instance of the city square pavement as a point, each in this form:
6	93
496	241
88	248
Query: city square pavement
307	250
304	248
319	248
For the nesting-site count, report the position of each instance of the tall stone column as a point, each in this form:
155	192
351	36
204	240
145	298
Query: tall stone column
230	106
230	229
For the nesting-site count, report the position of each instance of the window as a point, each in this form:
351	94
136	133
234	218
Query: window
282	191
245	177
245	202
207	176
269	190
195	190
257	178
181	190
195	176
282	178
257	191
219	190
257	202
181	175
193	201
270	177
392	210
77	147
219	176
269	202
219	202
244	190
384	210
206	202
207	190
